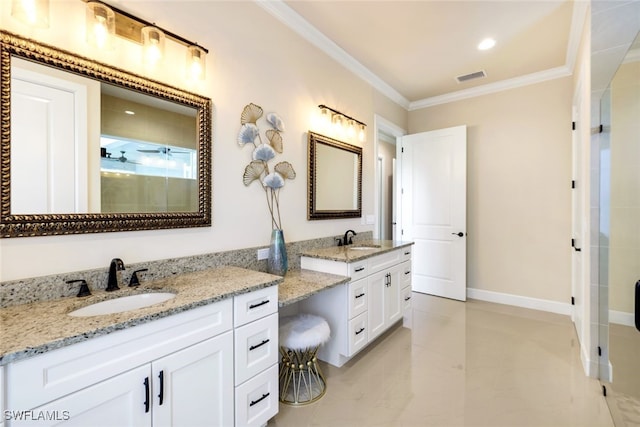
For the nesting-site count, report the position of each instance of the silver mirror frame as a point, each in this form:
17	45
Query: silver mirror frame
313	213
12	45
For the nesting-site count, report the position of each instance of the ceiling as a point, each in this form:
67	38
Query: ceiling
412	51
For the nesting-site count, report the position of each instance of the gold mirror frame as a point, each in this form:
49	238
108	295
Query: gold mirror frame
313	213
60	224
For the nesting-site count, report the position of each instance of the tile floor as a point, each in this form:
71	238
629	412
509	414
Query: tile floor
623	395
461	364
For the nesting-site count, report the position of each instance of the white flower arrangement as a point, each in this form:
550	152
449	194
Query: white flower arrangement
258	168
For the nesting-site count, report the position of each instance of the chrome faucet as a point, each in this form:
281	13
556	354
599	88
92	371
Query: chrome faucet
114	272
348	240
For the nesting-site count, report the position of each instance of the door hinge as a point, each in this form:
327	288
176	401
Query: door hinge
573	125
573	183
599	351
573	301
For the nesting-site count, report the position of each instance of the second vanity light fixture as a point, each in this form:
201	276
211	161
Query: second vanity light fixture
341	123
104	22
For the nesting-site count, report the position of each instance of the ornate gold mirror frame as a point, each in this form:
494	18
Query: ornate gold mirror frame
334	179
24	225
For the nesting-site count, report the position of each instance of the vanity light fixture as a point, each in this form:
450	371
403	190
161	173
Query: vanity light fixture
153	45
34	13
105	21
341	124
101	25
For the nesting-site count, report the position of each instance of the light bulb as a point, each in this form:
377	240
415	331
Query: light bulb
153	42
101	25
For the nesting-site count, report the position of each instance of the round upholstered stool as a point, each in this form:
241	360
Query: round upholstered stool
301	380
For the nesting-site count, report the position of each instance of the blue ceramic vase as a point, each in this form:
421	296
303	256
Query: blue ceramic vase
277	262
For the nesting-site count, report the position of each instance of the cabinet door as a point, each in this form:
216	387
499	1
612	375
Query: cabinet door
393	308
194	386
119	401
376	312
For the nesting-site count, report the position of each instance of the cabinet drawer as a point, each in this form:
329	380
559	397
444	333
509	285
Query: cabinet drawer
257	399
380	262
254	305
406	253
40	379
405	295
358	269
405	274
357	298
357	333
256	347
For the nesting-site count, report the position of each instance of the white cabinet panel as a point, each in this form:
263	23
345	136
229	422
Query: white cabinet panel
256	347
194	386
357	334
255	305
357	297
257	399
118	401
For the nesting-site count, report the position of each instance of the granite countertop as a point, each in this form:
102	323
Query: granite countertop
30	329
348	254
301	284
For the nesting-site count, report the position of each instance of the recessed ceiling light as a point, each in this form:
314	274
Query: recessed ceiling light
129	112
487	44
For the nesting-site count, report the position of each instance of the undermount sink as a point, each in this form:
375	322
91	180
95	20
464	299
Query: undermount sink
122	304
364	248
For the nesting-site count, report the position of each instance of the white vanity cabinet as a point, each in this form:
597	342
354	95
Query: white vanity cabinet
256	356
180	370
362	309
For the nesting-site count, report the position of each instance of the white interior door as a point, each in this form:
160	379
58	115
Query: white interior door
434	193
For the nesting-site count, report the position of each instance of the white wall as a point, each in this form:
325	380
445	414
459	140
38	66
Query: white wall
518	187
252	58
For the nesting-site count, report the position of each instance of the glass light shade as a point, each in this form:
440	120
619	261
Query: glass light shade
325	119
153	46
196	57
34	13
352	128
101	25
362	135
337	124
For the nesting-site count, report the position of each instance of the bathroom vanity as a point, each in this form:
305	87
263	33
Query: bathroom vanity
376	297
181	362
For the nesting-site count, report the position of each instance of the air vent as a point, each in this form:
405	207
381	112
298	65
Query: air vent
467	77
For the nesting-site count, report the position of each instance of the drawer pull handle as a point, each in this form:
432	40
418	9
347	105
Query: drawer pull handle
408	253
407	298
360	331
360	296
146	394
161	395
253	347
359	269
255	402
252	306
407	272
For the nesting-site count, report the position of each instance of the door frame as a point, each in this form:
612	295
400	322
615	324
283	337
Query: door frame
384	125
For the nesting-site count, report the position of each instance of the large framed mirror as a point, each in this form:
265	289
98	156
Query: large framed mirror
334	179
89	148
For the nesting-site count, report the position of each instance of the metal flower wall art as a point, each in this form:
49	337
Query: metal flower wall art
265	150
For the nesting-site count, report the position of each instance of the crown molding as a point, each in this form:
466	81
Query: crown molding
529	79
297	23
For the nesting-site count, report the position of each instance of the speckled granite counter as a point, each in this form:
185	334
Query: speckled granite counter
30	329
301	284
366	249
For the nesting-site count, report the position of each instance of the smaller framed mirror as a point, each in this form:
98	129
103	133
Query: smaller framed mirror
334	179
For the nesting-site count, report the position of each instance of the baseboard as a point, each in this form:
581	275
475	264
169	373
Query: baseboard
622	318
520	301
